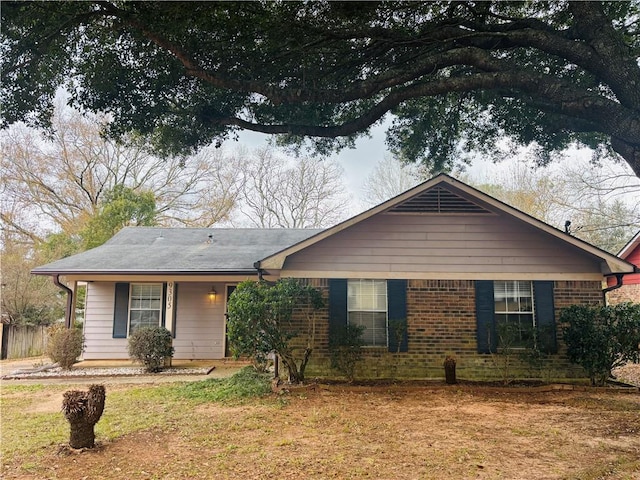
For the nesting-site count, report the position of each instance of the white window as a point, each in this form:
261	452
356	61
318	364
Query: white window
367	306
145	306
515	318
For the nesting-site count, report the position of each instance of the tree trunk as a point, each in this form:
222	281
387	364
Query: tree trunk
83	410
295	376
82	434
305	361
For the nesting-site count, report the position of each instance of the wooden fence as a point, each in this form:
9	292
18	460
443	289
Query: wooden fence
22	341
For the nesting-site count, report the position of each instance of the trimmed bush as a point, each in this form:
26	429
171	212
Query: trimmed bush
64	345
150	346
601	338
345	348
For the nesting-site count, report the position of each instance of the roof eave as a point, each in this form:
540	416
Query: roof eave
144	272
630	246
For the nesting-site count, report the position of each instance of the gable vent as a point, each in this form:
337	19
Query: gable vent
438	200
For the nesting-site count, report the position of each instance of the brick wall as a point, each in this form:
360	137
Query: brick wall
626	293
441	322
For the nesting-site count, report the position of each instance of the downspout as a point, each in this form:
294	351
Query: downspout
619	277
67	313
256	265
619	282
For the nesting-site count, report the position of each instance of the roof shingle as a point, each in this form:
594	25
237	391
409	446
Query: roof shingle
185	250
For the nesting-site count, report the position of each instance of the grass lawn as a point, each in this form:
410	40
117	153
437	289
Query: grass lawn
234	429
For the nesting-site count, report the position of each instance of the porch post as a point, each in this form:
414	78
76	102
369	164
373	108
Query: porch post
168	308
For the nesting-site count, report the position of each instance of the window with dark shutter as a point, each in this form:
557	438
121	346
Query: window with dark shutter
516	313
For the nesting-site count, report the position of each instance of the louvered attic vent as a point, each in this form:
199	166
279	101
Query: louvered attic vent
438	200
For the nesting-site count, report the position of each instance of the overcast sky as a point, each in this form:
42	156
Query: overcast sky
357	163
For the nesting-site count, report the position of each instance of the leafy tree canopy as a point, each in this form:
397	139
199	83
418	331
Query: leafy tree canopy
456	76
122	207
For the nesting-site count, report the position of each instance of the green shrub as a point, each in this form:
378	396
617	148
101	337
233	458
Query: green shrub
150	346
600	338
280	318
64	345
345	348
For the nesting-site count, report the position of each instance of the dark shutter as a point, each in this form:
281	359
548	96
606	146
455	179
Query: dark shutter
397	302
337	304
487	334
163	311
121	311
545	316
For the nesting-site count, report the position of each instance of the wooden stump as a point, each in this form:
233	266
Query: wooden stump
450	370
83	410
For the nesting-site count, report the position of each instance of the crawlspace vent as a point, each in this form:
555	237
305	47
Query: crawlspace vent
438	200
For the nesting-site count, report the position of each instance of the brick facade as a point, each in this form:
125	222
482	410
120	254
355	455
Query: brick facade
441	322
626	293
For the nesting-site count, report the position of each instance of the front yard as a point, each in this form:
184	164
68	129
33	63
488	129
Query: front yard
428	431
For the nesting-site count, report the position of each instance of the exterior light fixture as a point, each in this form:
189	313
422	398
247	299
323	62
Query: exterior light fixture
212	294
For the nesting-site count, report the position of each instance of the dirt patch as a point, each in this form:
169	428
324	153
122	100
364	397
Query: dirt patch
401	432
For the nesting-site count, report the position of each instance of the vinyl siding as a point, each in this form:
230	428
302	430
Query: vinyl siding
441	243
98	329
199	323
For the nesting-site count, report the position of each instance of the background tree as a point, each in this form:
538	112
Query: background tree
26	298
73	189
278	193
456	76
122	207
55	183
601	207
389	178
278	318
536	192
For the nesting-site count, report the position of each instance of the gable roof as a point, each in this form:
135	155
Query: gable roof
210	251
630	246
444	194
154	250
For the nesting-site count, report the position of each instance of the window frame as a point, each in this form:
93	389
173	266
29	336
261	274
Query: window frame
515	298
373	310
130	309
